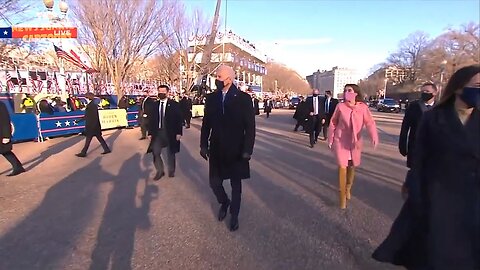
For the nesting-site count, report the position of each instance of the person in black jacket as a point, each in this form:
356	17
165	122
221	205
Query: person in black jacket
411	120
438	226
165	131
186	105
6	141
301	114
316	117
255	104
92	127
226	140
330	106
267	106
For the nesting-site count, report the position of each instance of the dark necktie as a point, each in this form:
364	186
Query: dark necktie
327	105
161	114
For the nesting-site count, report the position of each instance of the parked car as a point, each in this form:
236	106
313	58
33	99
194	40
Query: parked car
388	105
294	101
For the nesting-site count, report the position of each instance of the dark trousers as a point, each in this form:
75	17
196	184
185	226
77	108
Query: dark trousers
88	140
187	118
16	164
159	147
316	126
299	123
216	184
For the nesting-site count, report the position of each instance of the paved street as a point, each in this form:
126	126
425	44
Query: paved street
104	212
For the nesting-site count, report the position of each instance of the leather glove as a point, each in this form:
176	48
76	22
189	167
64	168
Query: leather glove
246	156
204	153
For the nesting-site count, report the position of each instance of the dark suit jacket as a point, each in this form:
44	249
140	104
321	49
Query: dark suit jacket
228	133
5	129
173	123
92	122
186	107
411	120
443	195
331	109
321	106
256	106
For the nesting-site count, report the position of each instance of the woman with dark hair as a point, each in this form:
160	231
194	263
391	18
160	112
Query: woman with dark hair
439	224
345	137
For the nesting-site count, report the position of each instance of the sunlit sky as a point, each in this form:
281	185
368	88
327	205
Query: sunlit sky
318	34
307	35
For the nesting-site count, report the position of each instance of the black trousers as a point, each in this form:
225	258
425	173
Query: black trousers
216	184
299	123
187	118
88	140
316	126
13	160
159	147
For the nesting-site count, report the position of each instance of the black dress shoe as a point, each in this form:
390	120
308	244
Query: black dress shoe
16	172
81	155
106	152
222	213
312	145
158	176
171	175
234	223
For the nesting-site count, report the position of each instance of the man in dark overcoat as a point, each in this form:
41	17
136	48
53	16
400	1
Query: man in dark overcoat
92	126
6	141
165	131
227	139
186	106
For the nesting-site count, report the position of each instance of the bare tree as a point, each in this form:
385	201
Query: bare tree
177	60
284	78
13	12
409	54
123	32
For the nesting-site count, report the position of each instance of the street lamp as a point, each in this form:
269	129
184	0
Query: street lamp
385	88
443	64
63	6
55	18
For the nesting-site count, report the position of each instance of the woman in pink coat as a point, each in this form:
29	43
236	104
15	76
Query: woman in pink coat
345	137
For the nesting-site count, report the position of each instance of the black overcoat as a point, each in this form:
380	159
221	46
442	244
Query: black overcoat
92	121
228	133
439	225
411	120
5	129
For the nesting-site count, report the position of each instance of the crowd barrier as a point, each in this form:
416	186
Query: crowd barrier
24	126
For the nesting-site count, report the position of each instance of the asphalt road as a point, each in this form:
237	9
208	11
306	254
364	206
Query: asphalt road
105	212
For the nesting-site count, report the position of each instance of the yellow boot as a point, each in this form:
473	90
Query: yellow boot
342	181
350	177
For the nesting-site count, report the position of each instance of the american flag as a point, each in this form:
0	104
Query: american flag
20	81
9	82
32	80
56	82
64	55
39	83
69	84
49	85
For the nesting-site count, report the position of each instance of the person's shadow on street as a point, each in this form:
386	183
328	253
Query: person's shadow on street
116	235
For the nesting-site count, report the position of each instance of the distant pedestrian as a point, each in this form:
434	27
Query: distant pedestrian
6	141
186	106
345	137
92	126
316	117
267	106
330	106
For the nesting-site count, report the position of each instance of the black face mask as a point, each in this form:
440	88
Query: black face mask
315	95
162	96
219	84
471	96
426	96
